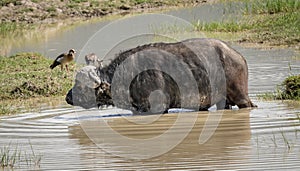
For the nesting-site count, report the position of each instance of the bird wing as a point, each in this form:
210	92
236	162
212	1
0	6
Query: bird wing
60	58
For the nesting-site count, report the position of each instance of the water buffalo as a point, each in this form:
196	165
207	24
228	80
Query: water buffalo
159	76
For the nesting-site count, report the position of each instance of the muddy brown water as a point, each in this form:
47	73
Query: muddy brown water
250	139
70	138
57	39
258	139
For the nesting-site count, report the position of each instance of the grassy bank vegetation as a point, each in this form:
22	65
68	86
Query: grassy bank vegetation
26	79
29	19
10	30
53	11
12	157
271	22
289	89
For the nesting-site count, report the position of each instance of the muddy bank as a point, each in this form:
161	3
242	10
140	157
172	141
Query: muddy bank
26	80
52	11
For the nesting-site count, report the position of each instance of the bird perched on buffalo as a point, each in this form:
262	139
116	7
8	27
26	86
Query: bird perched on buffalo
64	59
92	59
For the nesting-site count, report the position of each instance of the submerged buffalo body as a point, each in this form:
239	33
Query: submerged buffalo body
195	74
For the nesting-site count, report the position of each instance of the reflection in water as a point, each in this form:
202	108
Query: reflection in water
28	41
268	68
258	139
262	138
56	39
231	139
51	40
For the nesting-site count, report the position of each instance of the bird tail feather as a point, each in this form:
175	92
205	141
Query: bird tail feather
55	63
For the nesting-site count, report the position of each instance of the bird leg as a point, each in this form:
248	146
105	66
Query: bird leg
67	68
61	67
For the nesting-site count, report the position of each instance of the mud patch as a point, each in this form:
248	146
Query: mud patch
29	89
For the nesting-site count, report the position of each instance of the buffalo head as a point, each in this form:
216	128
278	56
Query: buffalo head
89	90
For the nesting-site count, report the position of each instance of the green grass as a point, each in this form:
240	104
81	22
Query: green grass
94	3
78	1
51	9
274	22
288	90
10	157
272	6
230	26
6	2
291	88
288	144
12	29
27	76
281	29
268	96
140	1
8	27
36	1
298	116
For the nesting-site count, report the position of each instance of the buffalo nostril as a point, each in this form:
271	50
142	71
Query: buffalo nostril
69	98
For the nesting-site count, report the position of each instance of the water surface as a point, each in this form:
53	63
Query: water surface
257	139
249	139
62	37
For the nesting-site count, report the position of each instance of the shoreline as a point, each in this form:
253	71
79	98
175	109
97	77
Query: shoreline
232	37
251	36
53	12
13	32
